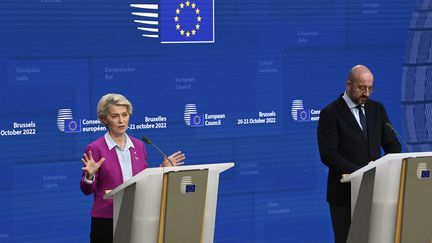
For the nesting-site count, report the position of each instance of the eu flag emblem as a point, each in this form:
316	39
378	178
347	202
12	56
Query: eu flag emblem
190	188
425	174
197	120
190	21
303	115
72	125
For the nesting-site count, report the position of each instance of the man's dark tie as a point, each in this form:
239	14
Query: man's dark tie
362	120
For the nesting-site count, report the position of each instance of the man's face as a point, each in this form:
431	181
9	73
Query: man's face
360	89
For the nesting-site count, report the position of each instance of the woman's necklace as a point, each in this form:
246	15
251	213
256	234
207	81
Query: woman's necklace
122	142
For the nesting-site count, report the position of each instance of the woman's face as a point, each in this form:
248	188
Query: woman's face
117	120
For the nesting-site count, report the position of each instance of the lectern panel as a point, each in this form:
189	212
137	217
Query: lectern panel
185	206
415	214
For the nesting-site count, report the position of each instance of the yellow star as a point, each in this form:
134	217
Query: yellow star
177	11
187	34
197	26
177	26
199	18
193	5
197	11
193	32
176	19
181	5
187	3
181	32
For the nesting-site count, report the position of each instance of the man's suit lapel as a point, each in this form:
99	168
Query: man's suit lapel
370	119
347	115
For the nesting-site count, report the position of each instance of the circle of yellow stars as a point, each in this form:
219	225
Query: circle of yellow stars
181	7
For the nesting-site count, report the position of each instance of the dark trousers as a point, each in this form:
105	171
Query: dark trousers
341	220
101	230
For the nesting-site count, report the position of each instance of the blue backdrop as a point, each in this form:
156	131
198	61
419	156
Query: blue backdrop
224	81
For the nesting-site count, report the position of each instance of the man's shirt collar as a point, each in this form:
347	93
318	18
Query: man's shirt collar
349	102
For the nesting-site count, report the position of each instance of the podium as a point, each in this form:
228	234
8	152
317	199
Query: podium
391	200
167	205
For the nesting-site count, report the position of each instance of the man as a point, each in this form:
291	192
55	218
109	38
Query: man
351	132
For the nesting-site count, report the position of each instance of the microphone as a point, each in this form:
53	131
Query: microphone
148	141
397	134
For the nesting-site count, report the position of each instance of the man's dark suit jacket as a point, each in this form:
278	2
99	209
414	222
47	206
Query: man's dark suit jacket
344	148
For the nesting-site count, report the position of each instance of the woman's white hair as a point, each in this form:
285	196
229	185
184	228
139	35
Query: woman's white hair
109	100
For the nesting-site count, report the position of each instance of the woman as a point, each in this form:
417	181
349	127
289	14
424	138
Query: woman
111	160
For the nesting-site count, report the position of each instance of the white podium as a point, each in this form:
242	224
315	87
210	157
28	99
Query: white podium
388	200
139	203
